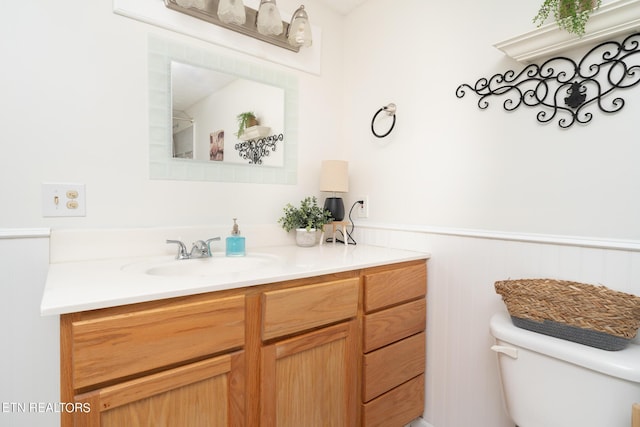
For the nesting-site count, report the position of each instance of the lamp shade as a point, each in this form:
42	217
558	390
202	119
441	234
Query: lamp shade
334	176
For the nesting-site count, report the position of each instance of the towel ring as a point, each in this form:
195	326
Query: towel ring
391	111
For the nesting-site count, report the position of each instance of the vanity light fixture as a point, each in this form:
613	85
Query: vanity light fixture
198	4
299	33
232	12
269	21
263	24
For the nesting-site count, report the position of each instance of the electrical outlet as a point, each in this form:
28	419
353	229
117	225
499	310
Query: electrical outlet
363	209
63	199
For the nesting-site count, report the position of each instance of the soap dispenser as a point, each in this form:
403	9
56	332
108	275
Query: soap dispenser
235	242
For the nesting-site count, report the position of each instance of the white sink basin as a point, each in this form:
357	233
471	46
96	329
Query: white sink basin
202	267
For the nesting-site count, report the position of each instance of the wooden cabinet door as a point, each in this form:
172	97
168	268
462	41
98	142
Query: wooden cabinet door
310	380
209	393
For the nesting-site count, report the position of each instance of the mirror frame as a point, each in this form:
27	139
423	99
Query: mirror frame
161	163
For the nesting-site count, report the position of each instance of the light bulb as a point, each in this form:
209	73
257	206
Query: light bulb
299	30
232	12
269	20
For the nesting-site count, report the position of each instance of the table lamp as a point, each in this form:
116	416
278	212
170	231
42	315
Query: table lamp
334	178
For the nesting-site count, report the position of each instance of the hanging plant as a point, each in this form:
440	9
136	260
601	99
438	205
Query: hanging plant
571	15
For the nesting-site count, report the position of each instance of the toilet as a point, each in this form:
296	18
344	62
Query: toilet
550	382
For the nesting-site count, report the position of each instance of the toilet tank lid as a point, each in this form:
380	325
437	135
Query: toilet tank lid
624	364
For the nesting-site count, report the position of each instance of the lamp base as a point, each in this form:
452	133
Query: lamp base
335	205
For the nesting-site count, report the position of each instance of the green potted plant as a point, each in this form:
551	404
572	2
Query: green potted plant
245	120
306	220
571	15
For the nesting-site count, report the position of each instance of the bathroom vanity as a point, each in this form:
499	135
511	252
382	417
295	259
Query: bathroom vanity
322	343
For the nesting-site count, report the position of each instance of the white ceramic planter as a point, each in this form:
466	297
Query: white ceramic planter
306	238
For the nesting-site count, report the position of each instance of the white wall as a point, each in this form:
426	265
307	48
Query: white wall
74	109
466	167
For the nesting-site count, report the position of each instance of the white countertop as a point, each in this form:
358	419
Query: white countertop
91	284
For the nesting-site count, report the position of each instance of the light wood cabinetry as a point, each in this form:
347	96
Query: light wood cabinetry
394	345
111	346
176	362
344	349
293	310
310	379
202	393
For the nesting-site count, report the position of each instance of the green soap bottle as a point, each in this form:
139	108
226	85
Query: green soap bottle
235	242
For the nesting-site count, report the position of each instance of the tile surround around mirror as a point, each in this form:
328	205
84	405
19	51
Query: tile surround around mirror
161	163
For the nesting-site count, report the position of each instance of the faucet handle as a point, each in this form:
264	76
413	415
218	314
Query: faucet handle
182	249
208	242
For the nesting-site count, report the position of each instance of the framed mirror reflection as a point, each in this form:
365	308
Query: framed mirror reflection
219	118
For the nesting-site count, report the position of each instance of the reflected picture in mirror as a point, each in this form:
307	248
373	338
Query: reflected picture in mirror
206	106
216	146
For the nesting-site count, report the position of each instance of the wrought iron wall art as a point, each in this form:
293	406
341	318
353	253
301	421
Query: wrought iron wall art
563	88
255	149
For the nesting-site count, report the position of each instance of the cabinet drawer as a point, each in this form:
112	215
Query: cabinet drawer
288	311
396	408
393	324
390	366
116	346
391	287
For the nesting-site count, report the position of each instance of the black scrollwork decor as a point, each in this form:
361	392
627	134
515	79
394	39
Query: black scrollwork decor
563	88
255	149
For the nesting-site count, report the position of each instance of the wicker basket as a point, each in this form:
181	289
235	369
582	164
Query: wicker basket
591	315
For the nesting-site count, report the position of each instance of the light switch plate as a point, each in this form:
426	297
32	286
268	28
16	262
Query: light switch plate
63	199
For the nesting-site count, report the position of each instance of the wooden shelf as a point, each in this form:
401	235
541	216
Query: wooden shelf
611	20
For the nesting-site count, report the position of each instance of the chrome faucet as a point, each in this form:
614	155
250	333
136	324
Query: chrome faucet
208	243
200	248
182	249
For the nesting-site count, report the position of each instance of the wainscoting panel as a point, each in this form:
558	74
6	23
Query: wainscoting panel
29	360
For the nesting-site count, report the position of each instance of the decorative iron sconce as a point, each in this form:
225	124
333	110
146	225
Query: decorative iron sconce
565	87
263	24
255	149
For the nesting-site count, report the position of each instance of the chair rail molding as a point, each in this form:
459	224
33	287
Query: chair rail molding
612	19
24	233
385	229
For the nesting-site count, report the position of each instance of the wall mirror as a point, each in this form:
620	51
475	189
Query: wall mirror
195	96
